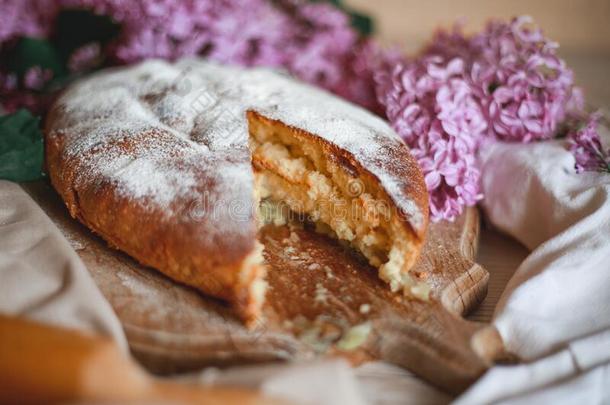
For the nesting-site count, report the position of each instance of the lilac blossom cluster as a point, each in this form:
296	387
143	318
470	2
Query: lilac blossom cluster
313	41
586	146
526	87
248	32
434	109
505	83
33	18
25	18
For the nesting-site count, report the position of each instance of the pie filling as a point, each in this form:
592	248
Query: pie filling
298	178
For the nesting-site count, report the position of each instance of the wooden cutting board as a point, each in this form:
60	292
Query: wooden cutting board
322	300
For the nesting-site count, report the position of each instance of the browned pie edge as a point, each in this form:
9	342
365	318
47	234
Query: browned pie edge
165	245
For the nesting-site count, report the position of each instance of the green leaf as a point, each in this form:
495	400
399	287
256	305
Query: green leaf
30	52
21	147
363	23
76	27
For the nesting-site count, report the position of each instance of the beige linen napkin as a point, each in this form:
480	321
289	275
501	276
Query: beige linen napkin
555	311
324	382
41	276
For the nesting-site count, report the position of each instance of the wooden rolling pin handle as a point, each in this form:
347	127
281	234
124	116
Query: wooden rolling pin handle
41	364
44	364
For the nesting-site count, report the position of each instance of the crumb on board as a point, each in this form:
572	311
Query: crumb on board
324	332
329	272
354	337
421	290
365	309
321	293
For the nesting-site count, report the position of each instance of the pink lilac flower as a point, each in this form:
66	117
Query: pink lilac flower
524	87
35	78
432	106
326	51
32	18
245	32
357	82
585	144
506	83
532	84
85	58
322	44
451	43
153	29
315	42
8	82
250	33
16	94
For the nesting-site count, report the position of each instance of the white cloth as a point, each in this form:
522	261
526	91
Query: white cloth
555	311
321	382
42	277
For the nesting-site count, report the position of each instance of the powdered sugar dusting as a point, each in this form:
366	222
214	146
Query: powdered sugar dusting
142	178
189	121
